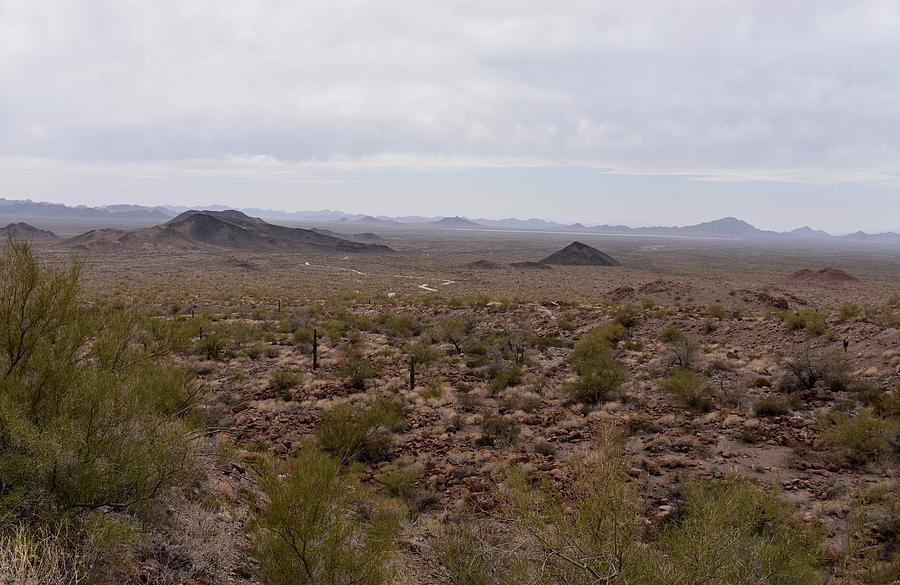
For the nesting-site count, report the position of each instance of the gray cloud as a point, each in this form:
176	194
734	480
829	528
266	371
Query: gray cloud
227	100
784	89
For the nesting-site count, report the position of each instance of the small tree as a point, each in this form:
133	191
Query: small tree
307	532
599	373
454	330
89	417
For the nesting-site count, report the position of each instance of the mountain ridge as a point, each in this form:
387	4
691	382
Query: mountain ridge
726	227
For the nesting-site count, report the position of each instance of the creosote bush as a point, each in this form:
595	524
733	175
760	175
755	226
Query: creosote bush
691	387
311	529
863	436
670	334
498	430
770	406
504	377
360	431
284	380
599	373
808	319
806	369
91	421
356	369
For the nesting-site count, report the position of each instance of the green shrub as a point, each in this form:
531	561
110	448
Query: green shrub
804	370
91	419
670	334
400	481
356	369
593	531
308	532
498	430
423	352
770	406
627	316
599	373
398	325
284	380
504	377
761	382
808	319
565	322
434	389
359	431
738	533
864	436
454	330
716	312
889	404
212	345
690	387
849	311
303	336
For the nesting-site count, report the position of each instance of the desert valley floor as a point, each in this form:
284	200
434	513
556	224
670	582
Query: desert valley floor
493	345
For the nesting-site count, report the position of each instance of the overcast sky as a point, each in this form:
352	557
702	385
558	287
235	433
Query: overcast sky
650	112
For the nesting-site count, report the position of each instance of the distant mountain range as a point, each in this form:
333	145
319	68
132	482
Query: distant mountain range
728	227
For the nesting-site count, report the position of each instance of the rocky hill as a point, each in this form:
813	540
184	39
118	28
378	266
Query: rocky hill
24	231
231	230
578	254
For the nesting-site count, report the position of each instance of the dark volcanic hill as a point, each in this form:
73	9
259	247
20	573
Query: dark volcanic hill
825	277
578	254
231	230
456	222
23	231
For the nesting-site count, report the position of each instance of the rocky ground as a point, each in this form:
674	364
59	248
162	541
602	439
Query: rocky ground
743	351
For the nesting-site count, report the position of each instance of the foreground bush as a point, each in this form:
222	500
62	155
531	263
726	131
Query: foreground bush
732	532
89	418
736	532
312	529
91	421
599	373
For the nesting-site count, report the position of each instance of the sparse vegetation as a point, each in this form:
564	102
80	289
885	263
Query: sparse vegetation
308	530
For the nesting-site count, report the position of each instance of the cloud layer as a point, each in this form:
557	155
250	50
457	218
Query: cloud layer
721	88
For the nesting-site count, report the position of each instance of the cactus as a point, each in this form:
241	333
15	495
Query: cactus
412	372
315	348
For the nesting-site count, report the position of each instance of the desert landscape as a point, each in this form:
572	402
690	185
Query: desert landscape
449	293
454	374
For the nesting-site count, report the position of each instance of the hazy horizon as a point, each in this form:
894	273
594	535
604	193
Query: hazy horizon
595	112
